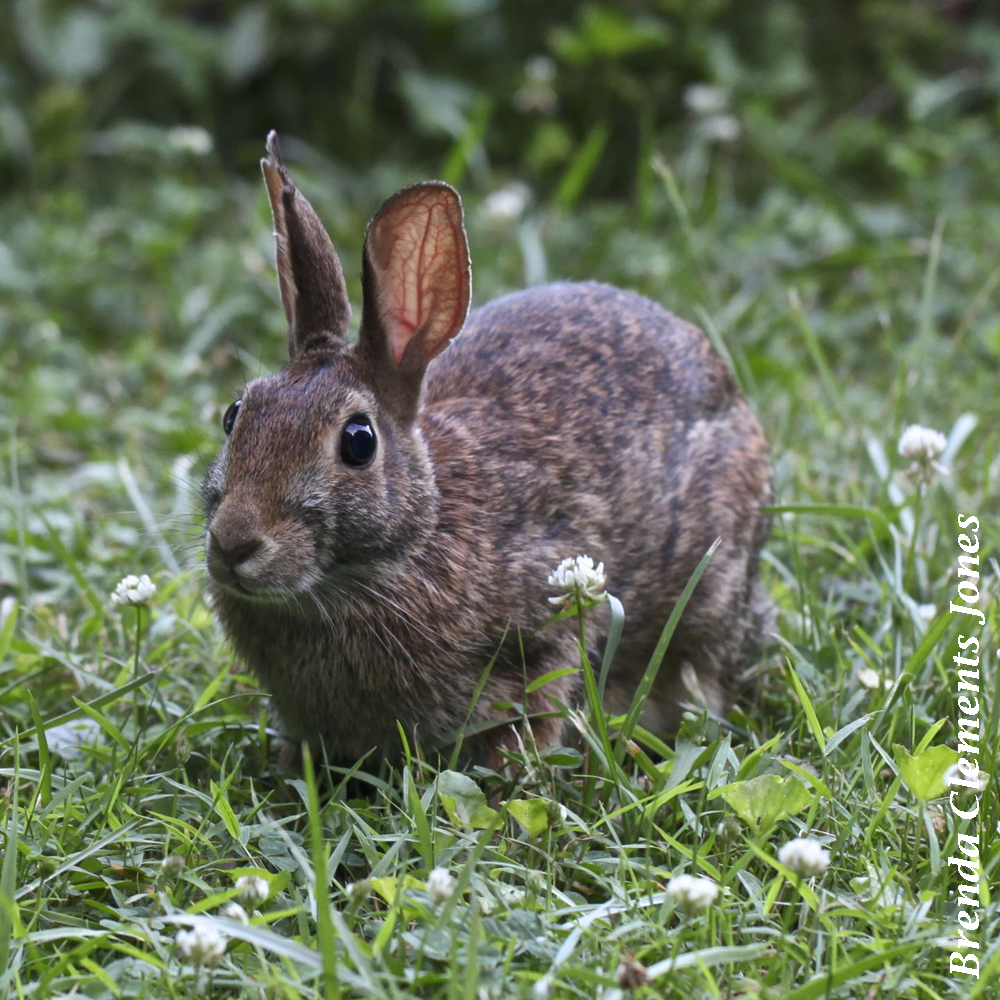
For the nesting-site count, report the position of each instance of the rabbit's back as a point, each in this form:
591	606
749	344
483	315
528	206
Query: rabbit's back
554	339
594	421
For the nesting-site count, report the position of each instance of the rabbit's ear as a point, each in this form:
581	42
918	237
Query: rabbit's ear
311	279
417	282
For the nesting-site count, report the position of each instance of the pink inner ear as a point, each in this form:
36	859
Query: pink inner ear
418	247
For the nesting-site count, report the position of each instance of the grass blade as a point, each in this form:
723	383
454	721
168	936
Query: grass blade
150	522
807	706
9	623
831	510
9	922
822	984
105	699
107	726
578	173
646	684
321	884
461	152
611	645
44	762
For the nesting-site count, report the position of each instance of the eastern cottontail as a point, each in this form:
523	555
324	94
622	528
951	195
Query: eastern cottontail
384	514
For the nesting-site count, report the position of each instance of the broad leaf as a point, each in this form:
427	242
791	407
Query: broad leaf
464	801
532	815
762	801
924	773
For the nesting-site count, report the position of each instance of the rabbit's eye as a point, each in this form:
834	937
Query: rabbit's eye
357	443
229	417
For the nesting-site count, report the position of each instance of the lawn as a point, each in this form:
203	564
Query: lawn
822	198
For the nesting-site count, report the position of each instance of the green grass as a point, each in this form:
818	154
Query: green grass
848	309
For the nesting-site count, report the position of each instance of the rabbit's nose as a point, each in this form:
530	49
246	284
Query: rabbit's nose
237	550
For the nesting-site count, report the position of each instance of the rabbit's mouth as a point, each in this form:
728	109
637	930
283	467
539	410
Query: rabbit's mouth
262	580
265	594
232	585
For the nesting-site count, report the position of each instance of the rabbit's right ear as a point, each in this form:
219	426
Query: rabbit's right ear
417	285
311	279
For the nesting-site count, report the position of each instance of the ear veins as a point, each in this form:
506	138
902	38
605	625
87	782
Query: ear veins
446	295
426	305
397	311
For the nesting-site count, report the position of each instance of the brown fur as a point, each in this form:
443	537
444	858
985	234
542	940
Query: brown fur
573	418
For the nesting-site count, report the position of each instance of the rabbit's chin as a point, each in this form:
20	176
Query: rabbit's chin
234	589
261	591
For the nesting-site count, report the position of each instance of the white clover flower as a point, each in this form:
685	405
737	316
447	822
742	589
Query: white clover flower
134	591
7	606
190	139
720	128
805	857
705	99
253	889
506	204
202	945
358	892
173	865
537	92
872	679
957	777
922	444
535	880
869	678
541	989
692	893
233	911
540	68
579	579
926	612
728	828
440	885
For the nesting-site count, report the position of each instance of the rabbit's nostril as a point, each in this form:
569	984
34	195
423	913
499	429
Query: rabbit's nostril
236	552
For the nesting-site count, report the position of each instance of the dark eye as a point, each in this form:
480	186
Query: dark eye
229	417
357	443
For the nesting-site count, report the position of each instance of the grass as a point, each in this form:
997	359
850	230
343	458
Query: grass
127	324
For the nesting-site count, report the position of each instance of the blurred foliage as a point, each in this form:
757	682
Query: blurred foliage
373	82
815	183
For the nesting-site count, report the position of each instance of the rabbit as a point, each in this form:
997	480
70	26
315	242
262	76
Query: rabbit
384	514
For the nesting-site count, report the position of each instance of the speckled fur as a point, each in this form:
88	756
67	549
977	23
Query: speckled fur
572	418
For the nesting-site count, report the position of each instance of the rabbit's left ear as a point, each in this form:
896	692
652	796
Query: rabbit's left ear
313	290
417	278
